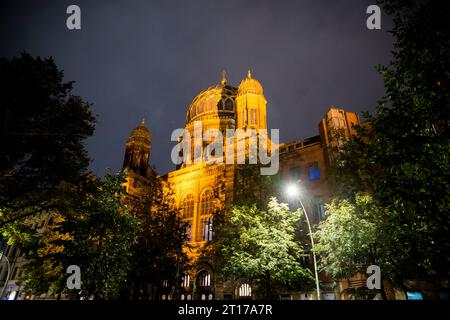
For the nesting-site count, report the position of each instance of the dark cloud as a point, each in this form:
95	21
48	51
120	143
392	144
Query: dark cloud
149	59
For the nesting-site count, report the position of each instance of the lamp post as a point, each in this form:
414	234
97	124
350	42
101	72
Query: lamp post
7	275
294	192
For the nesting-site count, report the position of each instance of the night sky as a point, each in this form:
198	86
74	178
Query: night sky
135	59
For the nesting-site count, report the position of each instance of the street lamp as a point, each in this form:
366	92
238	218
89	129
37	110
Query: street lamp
293	191
7	275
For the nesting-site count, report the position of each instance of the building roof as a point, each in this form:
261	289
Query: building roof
141	132
219	100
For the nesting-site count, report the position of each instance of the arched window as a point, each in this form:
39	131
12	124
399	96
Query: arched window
187	212
187	206
245	290
207	203
204	279
220	105
206	229
185	280
229	105
206	210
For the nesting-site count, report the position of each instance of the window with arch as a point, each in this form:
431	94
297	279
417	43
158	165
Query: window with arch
207	202
229	105
206	229
245	290
204	279
187	212
185	279
187	206
206	210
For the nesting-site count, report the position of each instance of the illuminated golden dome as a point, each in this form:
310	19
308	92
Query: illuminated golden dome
141	133
250	85
216	101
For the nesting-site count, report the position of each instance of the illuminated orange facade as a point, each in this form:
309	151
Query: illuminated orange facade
202	188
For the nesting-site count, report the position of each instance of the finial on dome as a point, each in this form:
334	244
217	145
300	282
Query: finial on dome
249	74
143	122
224	78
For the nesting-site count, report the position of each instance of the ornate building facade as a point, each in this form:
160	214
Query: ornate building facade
201	188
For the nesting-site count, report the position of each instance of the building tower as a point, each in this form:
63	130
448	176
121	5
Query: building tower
213	108
251	104
137	152
336	128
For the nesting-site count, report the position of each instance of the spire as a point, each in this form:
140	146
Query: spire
249	74
137	150
224	78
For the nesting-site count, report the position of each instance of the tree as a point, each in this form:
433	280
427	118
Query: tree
261	246
348	237
402	156
45	271
42	129
159	252
97	237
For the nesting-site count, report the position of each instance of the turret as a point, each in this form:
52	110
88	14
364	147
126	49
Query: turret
137	152
251	104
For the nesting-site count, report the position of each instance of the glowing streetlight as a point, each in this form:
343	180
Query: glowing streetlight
293	191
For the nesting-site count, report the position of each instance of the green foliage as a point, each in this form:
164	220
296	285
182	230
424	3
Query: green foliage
16	231
45	272
260	245
42	129
96	236
349	236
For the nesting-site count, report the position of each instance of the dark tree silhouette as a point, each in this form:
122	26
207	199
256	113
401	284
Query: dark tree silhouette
42	129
